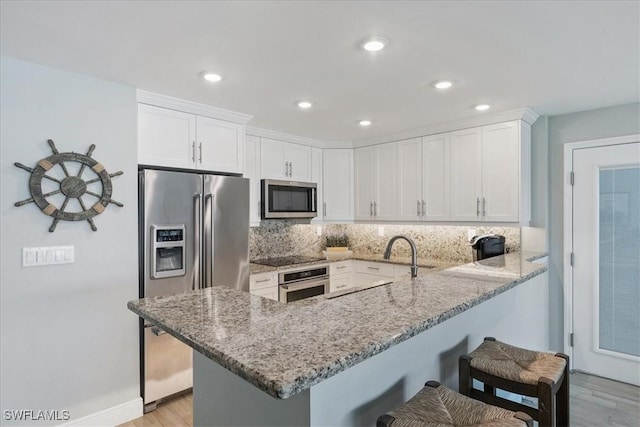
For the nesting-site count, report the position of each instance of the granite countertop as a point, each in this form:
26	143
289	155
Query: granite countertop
428	263
284	349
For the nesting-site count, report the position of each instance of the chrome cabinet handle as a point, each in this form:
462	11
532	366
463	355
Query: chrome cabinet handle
341	286
341	267
373	268
477	206
200	152
324	208
290	169
370	208
424	208
484	207
286	168
263	280
418	202
193	151
375	208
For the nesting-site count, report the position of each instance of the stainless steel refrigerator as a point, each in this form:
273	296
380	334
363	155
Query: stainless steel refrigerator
194	233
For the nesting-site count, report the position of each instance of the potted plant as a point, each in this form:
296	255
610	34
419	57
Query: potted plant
337	243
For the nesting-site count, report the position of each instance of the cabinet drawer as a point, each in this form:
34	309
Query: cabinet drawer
263	280
270	292
340	267
340	282
378	268
401	270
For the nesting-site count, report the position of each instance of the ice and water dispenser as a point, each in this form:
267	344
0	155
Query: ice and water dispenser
168	254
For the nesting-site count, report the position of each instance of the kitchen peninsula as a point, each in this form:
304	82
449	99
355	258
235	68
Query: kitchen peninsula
346	360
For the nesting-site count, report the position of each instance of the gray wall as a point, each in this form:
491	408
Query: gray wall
68	341
601	123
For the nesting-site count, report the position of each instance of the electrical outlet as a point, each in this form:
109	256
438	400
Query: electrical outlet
381	231
318	230
471	233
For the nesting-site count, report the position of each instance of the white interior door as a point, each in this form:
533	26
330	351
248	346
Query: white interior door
606	272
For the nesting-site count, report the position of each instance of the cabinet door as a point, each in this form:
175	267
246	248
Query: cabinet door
337	171
364	182
500	172
466	174
340	282
410	179
316	176
220	145
435	177
299	158
166	137
386	190
272	163
252	171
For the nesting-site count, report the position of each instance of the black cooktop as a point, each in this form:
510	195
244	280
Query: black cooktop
286	260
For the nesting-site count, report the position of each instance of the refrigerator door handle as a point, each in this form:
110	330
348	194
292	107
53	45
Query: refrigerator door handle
208	241
197	244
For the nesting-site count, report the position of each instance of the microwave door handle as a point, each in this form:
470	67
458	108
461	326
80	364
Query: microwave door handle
313	199
197	244
304	284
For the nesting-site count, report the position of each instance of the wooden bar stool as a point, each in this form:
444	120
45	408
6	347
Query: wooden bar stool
436	405
525	372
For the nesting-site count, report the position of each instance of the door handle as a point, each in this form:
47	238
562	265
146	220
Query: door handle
263	280
193	152
286	168
370	208
375	208
200	152
418	202
290	169
208	244
324	208
424	208
197	244
484	207
374	268
477	206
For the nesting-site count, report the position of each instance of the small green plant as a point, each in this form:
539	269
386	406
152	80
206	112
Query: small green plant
337	240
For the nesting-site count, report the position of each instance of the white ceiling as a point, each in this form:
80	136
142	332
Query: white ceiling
554	57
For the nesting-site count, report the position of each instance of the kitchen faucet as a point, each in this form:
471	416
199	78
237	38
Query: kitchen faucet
414	252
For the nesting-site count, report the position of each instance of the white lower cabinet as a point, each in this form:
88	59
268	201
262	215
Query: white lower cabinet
264	285
368	272
341	276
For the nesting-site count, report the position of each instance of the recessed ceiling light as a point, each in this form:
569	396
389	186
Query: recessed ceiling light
364	123
442	84
211	77
304	104
482	107
375	43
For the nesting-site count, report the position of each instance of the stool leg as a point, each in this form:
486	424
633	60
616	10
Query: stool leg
465	382
562	397
546	402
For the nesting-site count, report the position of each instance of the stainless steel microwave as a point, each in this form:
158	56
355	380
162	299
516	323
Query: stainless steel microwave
288	199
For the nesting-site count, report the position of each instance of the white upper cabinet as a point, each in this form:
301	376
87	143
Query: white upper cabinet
220	145
166	137
284	160
376	182
316	176
466	174
490	173
410	180
252	172
337	174
171	138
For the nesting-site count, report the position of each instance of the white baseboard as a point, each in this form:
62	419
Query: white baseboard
110	417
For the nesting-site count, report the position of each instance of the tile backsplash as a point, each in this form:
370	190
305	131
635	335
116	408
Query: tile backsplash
445	243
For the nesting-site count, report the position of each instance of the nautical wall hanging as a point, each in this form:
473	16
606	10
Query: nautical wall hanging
71	186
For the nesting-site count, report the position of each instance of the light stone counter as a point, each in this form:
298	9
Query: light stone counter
284	349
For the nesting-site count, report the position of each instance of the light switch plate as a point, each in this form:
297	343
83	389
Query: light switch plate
49	255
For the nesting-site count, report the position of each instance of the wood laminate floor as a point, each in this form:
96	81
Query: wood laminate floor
595	402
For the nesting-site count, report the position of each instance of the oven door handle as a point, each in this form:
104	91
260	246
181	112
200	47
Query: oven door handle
304	284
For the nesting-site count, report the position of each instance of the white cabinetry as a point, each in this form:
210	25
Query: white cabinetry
368	272
316	176
284	160
178	139
264	285
423	178
337	171
490	173
341	276
375	182
252	172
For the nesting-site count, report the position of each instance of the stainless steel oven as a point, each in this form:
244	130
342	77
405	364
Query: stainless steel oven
303	283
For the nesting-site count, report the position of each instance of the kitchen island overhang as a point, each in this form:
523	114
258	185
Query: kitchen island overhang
339	361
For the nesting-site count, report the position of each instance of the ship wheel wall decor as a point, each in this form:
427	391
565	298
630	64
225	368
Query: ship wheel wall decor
72	186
